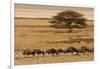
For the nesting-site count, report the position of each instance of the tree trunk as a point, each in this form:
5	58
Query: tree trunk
69	30
68	25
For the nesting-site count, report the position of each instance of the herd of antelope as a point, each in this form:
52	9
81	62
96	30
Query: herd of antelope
57	52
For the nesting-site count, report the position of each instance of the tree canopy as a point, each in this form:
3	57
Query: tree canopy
69	19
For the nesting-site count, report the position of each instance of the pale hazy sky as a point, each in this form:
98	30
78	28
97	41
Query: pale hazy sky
41	11
85	3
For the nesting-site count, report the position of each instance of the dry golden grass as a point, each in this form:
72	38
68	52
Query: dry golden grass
37	33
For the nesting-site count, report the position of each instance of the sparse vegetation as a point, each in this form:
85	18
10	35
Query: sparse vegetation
32	34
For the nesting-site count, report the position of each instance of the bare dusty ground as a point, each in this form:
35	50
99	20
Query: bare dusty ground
37	33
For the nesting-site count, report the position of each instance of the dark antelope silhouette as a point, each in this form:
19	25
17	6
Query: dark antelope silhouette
33	52
72	50
60	50
91	50
52	51
38	52
84	49
28	52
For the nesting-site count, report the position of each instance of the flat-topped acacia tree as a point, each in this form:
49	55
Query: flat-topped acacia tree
69	19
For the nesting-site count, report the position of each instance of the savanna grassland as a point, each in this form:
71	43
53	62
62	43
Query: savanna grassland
37	33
